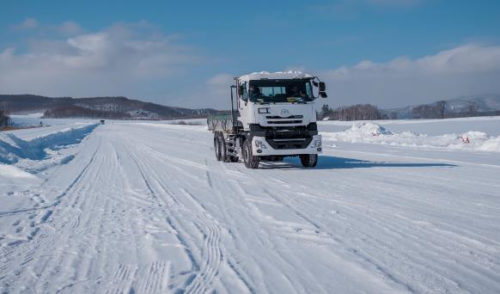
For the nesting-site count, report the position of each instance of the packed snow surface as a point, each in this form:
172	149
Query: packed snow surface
144	207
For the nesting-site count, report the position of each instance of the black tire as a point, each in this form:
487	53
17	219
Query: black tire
223	150
217	148
309	160
250	160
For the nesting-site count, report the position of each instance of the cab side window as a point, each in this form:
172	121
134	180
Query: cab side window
243	91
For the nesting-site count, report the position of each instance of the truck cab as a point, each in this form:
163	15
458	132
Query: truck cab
273	116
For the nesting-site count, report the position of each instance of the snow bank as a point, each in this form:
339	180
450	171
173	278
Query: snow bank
365	129
14	149
291	74
370	132
9	171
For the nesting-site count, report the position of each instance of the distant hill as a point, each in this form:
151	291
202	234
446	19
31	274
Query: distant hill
458	107
98	107
484	105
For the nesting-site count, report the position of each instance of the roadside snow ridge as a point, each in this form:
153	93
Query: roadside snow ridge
370	132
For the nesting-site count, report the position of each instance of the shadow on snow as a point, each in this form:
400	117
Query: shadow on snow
332	162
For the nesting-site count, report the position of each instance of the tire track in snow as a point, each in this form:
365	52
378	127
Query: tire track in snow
280	255
384	219
31	247
58	198
122	279
348	249
211	251
293	203
149	277
69	264
155	280
316	231
223	187
195	267
34	251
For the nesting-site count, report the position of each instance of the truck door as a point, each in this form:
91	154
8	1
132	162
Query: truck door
243	105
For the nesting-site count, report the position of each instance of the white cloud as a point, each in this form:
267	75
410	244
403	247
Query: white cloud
137	60
28	23
464	70
31	25
69	28
216	92
219	80
120	60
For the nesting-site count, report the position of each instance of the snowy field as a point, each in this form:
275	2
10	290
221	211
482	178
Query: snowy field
144	207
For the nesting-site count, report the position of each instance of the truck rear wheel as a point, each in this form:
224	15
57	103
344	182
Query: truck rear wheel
223	150
309	160
250	160
217	148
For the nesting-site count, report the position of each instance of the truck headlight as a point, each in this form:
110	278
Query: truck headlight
263	110
260	144
316	144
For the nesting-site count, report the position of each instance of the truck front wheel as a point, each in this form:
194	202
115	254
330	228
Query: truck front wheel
309	160
250	160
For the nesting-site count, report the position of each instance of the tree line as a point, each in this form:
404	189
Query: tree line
354	112
4	119
77	111
434	110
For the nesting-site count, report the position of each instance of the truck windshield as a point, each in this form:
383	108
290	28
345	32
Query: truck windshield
280	91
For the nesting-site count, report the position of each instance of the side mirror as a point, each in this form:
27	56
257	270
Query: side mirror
240	91
323	95
322	87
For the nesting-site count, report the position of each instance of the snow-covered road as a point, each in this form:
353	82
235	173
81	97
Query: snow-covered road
146	208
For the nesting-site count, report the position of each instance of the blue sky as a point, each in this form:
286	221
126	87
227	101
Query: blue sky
184	52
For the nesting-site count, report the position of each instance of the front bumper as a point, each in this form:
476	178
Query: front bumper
261	147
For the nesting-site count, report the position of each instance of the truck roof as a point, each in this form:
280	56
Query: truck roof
279	75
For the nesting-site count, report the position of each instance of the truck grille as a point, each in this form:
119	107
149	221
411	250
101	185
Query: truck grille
283	122
281	117
288	138
280	120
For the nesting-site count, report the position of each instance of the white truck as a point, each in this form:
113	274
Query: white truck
272	116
